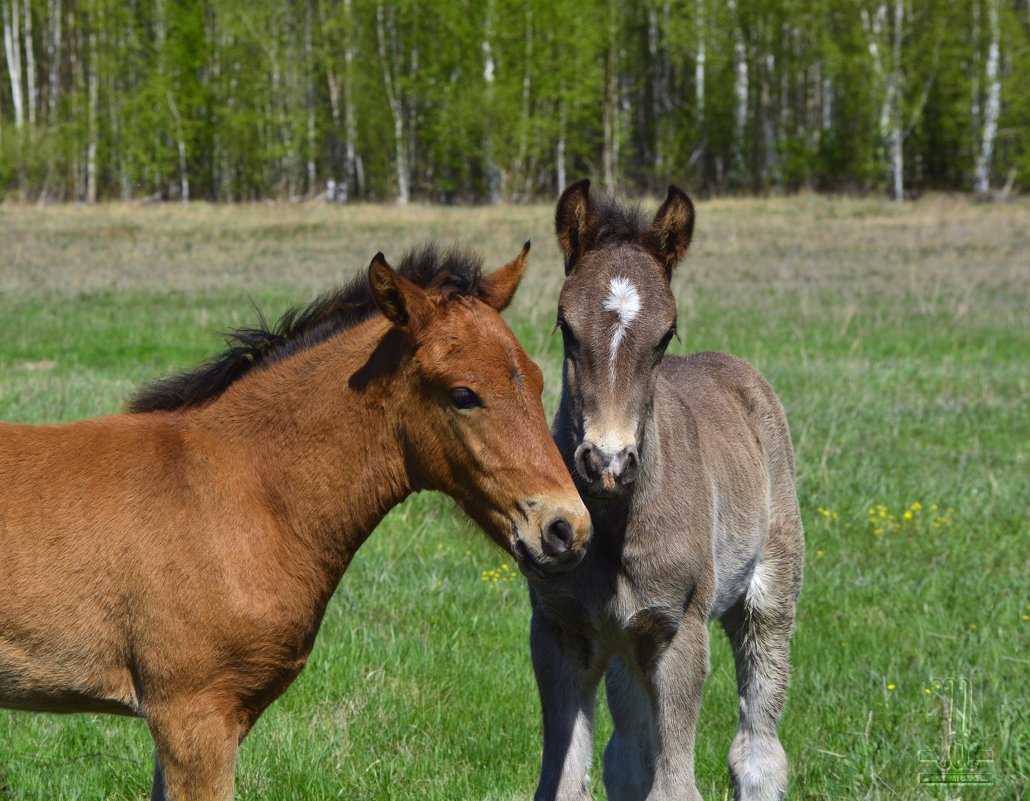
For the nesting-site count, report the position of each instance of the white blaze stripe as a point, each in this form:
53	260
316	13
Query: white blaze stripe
624	300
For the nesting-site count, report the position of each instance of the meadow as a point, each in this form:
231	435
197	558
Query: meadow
898	338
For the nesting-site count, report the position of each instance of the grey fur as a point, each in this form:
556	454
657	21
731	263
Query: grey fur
707	528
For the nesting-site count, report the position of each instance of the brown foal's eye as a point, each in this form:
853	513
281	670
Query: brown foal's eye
465	398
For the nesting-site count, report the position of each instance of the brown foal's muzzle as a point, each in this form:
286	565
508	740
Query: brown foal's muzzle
550	535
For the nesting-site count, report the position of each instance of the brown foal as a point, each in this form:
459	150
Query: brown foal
174	562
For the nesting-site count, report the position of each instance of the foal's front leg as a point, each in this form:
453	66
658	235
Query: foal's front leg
568	693
629	759
196	745
677	677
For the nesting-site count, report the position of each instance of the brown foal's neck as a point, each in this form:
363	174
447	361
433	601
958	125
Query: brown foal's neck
323	434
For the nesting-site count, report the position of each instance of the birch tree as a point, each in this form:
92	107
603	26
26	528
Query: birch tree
740	87
396	108
982	178
12	48
610	153
355	175
889	75
699	63
309	95
30	65
493	180
93	134
54	56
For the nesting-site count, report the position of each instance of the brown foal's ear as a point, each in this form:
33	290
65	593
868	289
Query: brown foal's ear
672	229
498	288
575	222
401	302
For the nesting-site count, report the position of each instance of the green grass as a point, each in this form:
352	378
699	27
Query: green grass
897	338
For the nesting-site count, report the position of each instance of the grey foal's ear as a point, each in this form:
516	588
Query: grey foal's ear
575	222
672	229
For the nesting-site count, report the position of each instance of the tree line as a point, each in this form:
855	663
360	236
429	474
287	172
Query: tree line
489	100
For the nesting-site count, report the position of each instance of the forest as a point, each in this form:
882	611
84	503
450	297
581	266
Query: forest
494	100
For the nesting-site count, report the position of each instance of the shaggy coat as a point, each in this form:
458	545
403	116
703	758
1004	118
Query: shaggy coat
687	469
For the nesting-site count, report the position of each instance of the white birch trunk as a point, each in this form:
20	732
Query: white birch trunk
93	84
309	69
889	124
873	27
180	143
559	156
699	63
109	43
827	104
654	58
219	158
992	108
493	189
400	157
53	60
658	51
334	96
277	113
897	137
527	86
974	94
12	48
355	180
611	103
740	87
30	64
770	160
411	156
78	88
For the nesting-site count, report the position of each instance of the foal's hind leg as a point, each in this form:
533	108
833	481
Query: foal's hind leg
759	628
629	758
196	753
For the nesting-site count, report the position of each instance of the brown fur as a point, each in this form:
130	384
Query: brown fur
176	565
686	466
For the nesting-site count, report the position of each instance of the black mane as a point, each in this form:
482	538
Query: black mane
616	222
454	271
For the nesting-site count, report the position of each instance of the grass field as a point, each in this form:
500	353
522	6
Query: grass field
899	341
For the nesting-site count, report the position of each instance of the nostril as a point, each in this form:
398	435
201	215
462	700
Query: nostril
589	462
630	465
557	537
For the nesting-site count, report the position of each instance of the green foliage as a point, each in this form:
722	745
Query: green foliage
230	101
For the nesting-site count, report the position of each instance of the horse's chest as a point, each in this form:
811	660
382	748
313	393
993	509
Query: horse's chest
618	618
